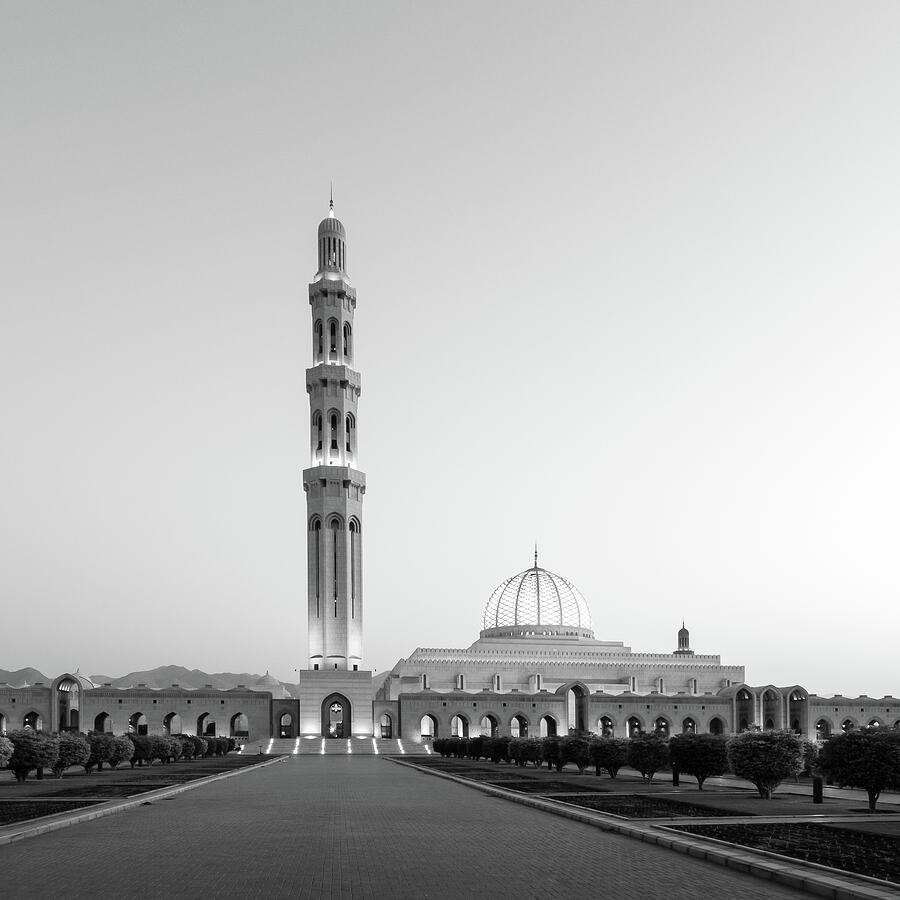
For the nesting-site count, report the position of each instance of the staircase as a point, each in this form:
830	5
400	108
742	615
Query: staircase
317	746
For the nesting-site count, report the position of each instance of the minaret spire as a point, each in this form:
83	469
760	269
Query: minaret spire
535	555
331	202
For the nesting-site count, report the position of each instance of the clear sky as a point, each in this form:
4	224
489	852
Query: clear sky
627	275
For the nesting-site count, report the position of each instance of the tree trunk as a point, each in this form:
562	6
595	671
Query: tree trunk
873	799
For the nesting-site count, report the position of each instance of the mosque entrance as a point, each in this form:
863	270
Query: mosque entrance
336	716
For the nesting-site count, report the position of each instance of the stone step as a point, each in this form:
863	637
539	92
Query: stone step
316	746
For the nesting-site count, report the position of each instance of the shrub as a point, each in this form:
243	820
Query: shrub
551	753
476	747
198	742
32	750
73	750
648	753
701	756
610	753
499	749
165	748
575	750
122	750
765	758
868	759
187	746
6	751
514	751
809	754
101	744
143	750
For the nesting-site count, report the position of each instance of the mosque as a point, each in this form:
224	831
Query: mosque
535	669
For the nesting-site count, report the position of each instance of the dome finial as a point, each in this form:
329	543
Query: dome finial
331	202
535	555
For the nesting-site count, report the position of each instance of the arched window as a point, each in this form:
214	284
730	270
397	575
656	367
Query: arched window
823	729
632	684
548	726
315	528
715	726
498	683
350	436
348	345
428	727
354	564
660	685
848	725
633	726
692	684
518	726
286	726
459	726
333	422
318	345
605	726
489	725
689	726
426	682
460	682
661	727
387	726
335	526
32	720
332	339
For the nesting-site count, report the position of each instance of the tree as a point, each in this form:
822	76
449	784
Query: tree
122	750
551	753
73	750
868	759
102	748
575	750
765	758
701	756
6	751
610	753
143	750
187	746
32	750
648	753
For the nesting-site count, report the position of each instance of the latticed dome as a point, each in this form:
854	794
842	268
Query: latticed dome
537	603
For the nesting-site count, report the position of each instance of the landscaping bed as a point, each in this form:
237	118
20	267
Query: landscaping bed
21	810
105	791
636	806
540	786
863	853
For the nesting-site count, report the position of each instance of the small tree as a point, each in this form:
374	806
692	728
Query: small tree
551	753
32	750
610	753
6	751
187	746
498	749
74	750
701	756
101	743
867	759
122	750
575	750
648	753
765	758
143	750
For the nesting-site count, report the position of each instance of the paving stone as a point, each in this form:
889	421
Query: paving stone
335	827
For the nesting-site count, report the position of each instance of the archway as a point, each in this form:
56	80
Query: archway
848	725
548	726
633	726
239	726
172	724
489	726
688	726
771	710
206	725
518	726
459	726
68	694
102	722
577	701
746	714
428	727
33	720
661	726
798	712
2	724
823	729
387	726
716	725
875	723
605	726
286	725
137	723
336	721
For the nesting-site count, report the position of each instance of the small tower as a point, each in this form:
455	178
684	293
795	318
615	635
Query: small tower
333	484
684	642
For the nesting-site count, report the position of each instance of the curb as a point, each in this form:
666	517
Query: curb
820	880
113	806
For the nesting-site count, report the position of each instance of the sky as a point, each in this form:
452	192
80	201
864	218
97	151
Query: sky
627	280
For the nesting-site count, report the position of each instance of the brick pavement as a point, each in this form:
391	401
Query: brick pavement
335	827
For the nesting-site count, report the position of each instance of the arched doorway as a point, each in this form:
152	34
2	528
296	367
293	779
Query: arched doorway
518	726
206	725
32	720
459	726
605	726
286	725
823	729
548	726
688	726
489	726
102	722
661	727
428	727
633	726
715	725
336	717
137	723
745	704
387	726
172	724
68	694
239	726
577	699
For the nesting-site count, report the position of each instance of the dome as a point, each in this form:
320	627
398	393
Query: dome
537	603
331	225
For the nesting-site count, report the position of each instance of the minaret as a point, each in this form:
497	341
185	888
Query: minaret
334	486
684	642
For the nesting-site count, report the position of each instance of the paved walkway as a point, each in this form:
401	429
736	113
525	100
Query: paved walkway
333	827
